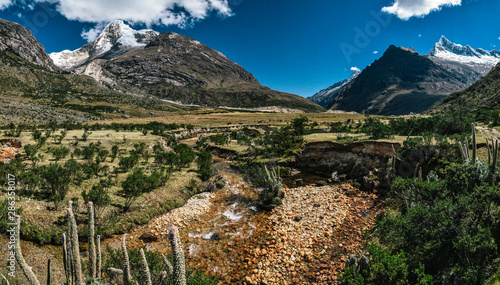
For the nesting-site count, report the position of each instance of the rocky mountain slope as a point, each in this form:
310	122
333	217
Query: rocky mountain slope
172	67
403	82
18	40
485	93
325	96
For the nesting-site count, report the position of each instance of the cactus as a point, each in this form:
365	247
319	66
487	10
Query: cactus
19	255
168	264
99	257
75	250
364	266
66	259
127	277
146	267
351	261
179	272
49	281
415	170
474	144
92	250
164	278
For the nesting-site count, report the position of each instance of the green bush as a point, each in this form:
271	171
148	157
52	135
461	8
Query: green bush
448	225
204	162
60	152
385	268
57	180
134	186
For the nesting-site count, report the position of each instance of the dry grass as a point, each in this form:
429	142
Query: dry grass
45	222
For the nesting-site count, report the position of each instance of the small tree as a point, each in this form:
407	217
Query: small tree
57	179
134	185
114	152
204	162
185	153
60	152
127	163
99	196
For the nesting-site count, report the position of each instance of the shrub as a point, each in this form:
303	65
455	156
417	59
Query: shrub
134	186
60	152
271	194
57	179
128	162
185	153
99	195
204	162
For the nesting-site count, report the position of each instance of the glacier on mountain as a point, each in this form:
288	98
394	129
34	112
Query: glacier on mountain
447	50
116	35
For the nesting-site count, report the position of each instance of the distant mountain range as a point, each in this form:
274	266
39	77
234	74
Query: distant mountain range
143	63
403	81
172	67
325	96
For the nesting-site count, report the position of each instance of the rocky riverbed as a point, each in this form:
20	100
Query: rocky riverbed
304	241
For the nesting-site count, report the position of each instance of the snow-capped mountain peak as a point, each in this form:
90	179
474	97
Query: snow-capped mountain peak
448	50
116	36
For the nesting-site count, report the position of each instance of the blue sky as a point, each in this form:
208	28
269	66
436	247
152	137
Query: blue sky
298	47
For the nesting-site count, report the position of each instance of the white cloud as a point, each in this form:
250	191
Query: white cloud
405	9
499	38
354	68
5	3
162	12
419	35
91	34
375	52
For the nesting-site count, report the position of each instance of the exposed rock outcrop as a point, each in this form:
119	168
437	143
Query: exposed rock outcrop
19	40
8	149
366	161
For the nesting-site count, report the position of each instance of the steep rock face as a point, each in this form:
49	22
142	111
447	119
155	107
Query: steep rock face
20	41
180	61
355	160
403	81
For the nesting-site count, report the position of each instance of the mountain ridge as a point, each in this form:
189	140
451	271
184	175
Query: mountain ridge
403	82
325	96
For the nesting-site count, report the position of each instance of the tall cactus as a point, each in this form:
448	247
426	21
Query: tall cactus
99	257
66	259
75	250
474	144
168	264
92	250
145	267
179	274
19	255
127	277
